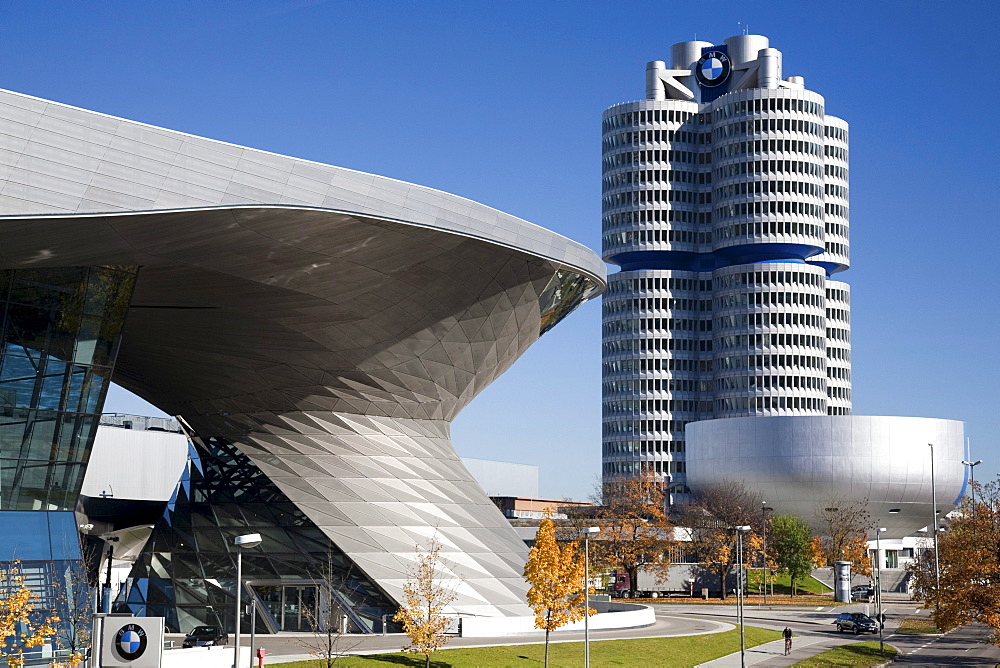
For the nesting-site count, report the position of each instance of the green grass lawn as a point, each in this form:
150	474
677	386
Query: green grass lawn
918	625
648	652
857	654
783	584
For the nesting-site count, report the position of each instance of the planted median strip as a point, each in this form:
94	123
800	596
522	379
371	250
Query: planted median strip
855	654
673	652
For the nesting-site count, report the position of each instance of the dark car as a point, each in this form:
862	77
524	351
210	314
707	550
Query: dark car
203	636
862	592
857	622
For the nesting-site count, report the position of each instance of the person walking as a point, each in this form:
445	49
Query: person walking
787	633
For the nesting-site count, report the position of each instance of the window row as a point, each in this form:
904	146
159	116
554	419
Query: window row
656	175
839	393
658	385
837	410
767	146
764	208
620	158
630	285
838	333
656	216
835	171
767	319
837	228
769	188
838	372
835	191
835	133
770	361
633	406
635	468
654	236
652	116
838	314
769	404
838	294
777	339
643	447
838	354
767	227
619	305
657	364
647	324
835	152
770	278
769	167
744	107
837	210
656	195
769	382
767	299
767	125
835	248
644	345
658	135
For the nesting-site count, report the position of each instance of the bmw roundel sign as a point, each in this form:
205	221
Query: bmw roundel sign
713	69
130	642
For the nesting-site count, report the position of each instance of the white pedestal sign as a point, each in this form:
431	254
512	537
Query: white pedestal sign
129	641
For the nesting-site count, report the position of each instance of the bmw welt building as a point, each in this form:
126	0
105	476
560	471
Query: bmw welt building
315	329
727	331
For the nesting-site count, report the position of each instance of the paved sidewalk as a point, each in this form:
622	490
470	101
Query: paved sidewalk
772	652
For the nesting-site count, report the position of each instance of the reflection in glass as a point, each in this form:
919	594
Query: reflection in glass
60	329
565	291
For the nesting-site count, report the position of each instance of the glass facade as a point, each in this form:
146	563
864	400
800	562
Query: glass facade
60	332
297	575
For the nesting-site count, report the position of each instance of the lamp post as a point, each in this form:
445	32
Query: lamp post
587	533
739	590
878	587
937	562
242	542
972	480
763	512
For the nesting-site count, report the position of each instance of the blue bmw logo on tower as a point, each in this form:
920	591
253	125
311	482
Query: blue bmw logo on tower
713	69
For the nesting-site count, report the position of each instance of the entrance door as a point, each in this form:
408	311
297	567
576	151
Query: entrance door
293	607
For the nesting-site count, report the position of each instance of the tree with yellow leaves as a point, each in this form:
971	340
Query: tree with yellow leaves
21	627
556	575
424	601
969	562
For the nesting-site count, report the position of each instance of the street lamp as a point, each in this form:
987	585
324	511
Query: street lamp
242	542
937	562
878	587
740	530
587	533
764	509
972	480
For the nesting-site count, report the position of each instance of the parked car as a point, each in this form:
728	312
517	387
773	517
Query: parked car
857	622
203	636
862	592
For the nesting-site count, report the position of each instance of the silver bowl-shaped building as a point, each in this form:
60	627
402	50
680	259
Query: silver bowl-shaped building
802	465
316	328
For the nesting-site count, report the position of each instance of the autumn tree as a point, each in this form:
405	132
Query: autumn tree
556	576
969	561
424	601
710	519
789	539
636	533
846	524
21	626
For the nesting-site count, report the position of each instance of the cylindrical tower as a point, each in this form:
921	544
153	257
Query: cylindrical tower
727	214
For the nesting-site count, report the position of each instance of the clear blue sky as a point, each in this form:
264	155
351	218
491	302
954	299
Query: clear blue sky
501	102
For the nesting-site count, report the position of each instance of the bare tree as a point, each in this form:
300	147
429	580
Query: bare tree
845	524
711	519
329	642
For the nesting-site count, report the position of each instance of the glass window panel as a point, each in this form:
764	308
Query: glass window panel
24	536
